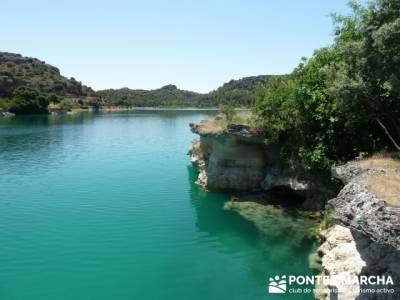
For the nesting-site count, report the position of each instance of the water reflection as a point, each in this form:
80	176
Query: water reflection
280	237
30	143
105	199
48	141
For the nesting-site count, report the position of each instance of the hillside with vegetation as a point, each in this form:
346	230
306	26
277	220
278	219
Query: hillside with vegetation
165	96
238	93
29	85
345	99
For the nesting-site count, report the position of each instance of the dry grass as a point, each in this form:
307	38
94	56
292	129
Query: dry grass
381	160
386	186
242	118
216	126
210	126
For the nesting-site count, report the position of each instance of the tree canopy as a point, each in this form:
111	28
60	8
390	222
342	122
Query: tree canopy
345	99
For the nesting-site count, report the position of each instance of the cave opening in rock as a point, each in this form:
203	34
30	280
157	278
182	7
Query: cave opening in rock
287	196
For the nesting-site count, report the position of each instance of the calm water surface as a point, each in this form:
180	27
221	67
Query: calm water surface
104	206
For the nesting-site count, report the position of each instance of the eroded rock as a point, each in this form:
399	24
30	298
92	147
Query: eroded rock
365	239
236	158
359	209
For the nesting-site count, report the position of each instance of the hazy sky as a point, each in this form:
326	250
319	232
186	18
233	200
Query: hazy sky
197	45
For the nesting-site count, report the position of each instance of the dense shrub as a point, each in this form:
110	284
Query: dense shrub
28	101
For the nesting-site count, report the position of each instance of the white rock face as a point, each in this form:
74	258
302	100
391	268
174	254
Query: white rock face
236	158
228	163
272	180
340	257
347	252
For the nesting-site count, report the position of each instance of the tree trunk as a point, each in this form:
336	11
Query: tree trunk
396	126
388	134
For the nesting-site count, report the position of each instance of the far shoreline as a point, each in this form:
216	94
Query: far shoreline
60	112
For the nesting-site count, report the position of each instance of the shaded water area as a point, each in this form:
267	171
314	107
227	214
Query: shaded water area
104	206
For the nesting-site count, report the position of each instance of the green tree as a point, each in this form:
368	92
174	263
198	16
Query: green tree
228	111
345	99
370	71
28	101
275	108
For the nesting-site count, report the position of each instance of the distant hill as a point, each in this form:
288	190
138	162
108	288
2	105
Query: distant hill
238	92
235	92
30	86
168	95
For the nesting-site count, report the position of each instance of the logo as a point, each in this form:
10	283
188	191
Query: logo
308	284
277	285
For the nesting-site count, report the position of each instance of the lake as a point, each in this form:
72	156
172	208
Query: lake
105	206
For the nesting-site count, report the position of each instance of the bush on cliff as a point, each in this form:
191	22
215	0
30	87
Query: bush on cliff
228	111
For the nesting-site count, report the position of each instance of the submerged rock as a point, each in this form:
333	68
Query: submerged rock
285	226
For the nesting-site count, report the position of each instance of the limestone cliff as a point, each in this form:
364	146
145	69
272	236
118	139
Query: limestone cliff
359	209
236	158
233	159
365	239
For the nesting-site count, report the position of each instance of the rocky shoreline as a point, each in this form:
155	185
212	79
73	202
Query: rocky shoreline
59	111
236	158
364	238
5	113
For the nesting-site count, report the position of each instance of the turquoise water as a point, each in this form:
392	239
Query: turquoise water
104	206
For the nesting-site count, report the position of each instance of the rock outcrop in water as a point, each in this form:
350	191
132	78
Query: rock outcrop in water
233	159
366	237
236	158
5	113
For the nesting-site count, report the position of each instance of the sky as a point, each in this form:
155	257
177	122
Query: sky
196	45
